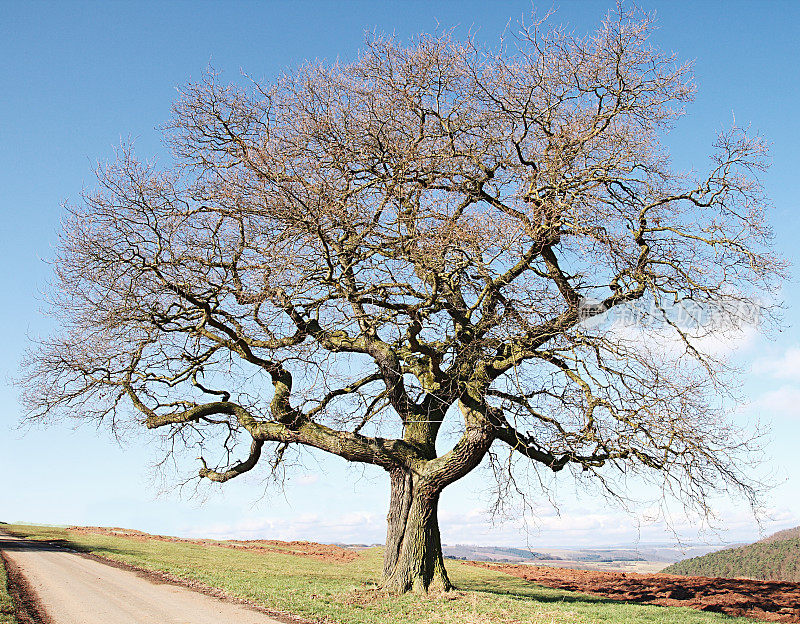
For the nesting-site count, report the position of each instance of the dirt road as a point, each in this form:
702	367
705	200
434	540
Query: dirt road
76	590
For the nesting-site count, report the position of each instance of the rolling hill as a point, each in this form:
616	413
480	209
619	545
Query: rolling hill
315	582
638	557
774	558
781	535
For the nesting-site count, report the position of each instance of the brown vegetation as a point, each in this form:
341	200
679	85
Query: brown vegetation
314	550
770	601
781	536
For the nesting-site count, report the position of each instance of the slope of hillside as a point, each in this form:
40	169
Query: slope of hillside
492	553
291	578
782	535
641	557
775	558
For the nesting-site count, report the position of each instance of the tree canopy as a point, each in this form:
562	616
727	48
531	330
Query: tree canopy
351	255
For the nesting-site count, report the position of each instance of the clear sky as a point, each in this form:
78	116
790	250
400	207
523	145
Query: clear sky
77	77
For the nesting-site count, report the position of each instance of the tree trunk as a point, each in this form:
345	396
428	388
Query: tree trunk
413	557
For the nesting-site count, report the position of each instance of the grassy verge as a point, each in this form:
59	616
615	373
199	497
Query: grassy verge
346	593
6	606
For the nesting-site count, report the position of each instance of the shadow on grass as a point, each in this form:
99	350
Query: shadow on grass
531	591
536	593
21	543
18	545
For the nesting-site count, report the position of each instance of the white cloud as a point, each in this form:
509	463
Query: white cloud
721	342
784	400
304	479
352	527
594	525
786	366
575	527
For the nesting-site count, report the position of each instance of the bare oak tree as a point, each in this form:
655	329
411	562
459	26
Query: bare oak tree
354	254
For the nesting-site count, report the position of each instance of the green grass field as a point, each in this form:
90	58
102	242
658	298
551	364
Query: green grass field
6	607
346	592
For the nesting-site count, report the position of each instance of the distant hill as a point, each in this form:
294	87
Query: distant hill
775	558
504	554
782	535
493	553
646	558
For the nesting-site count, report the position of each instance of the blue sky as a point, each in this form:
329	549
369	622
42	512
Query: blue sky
79	77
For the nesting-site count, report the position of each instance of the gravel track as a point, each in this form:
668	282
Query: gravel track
71	589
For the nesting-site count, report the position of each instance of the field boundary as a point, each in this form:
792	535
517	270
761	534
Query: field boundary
27	609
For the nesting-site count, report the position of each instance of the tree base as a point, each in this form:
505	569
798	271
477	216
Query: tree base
413	557
400	583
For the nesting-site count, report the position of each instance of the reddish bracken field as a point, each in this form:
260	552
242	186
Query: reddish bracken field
763	600
322	552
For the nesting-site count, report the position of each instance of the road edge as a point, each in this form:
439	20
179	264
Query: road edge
27	597
27	607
